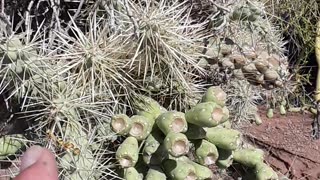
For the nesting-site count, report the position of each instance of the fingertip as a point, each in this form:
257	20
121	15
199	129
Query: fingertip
38	163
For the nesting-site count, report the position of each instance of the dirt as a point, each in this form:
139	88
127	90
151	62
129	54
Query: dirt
288	144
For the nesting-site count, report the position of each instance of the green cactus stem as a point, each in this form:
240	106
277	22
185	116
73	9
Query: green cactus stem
121	124
206	114
179	170
128	152
141	127
224	138
177	144
215	94
206	152
195	132
225	158
202	172
132	174
10	144
249	157
172	121
265	172
155	173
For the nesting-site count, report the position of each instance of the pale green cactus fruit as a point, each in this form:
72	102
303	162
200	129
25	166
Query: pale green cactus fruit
188	154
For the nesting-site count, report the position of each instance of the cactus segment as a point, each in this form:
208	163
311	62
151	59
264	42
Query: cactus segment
179	170
271	75
10	144
265	172
155	173
157	157
238	60
206	152
152	142
177	144
141	127
172	121
261	65
225	158
202	172
226	63
249	157
206	114
148	107
215	94
132	174
121	124
195	132
128	152
224	138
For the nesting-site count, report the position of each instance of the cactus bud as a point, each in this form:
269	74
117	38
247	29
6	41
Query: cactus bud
238	60
270	75
261	66
249	69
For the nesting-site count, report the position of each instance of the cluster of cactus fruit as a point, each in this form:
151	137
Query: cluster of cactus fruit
163	144
258	68
260	62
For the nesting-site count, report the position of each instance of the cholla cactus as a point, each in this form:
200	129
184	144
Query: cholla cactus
74	85
246	47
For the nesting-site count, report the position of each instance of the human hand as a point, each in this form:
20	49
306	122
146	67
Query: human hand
38	164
